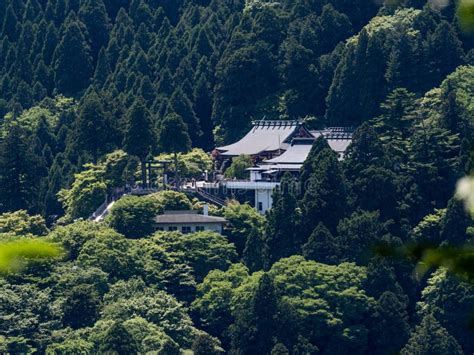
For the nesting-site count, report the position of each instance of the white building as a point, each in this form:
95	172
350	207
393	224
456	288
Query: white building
188	222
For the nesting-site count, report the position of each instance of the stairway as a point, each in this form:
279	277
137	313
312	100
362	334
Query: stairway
209	197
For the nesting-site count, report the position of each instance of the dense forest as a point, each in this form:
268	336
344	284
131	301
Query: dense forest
91	88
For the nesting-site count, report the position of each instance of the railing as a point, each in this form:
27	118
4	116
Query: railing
103	209
209	197
100	211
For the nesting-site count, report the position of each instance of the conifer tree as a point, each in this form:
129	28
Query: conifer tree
325	197
253	253
181	105
18	172
431	338
174	138
92	131
280	237
10	23
102	69
444	52
72	60
203	109
391	328
254	329
94	16
140	134
455	223
321	246
118	340
310	164
265	310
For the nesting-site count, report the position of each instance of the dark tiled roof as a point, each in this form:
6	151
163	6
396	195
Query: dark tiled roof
187	217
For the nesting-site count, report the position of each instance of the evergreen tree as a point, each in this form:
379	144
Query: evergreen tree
280	237
358	235
174	138
118	340
391	328
455	223
19	178
431	338
140	135
92	131
444	52
331	28
254	330
72	60
253	254
321	246
325	198
10	23
204	345
181	105
102	69
94	16
311	163
265	310
203	109
81	307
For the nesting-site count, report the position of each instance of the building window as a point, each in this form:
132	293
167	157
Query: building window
260	206
199	229
186	230
160	229
172	229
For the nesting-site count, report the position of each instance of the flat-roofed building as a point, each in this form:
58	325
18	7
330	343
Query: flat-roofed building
189	222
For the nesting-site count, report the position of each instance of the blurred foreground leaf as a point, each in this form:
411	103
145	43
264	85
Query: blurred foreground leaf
465	14
14	255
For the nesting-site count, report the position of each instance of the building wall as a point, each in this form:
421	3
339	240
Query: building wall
212	227
263	200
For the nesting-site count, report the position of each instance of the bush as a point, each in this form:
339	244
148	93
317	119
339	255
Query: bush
239	167
134	216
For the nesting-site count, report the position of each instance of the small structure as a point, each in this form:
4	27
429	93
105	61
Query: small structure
189	222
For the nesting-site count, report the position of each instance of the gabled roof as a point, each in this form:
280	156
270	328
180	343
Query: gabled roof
296	153
187	217
338	138
265	136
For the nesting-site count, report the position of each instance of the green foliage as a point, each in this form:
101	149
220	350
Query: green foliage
81	306
223	296
431	338
203	251
118	340
21	223
192	164
134	216
110	254
244	221
238	168
152	77
73	236
86	193
90	186
451	302
282	220
172	201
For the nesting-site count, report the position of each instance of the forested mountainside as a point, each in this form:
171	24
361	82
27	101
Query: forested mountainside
70	71
91	88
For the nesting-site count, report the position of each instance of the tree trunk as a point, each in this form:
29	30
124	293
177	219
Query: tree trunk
176	172
144	174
